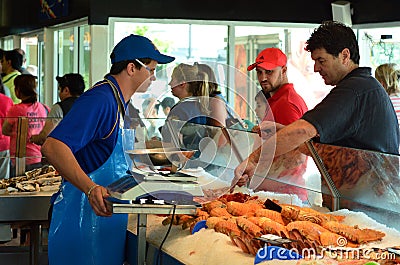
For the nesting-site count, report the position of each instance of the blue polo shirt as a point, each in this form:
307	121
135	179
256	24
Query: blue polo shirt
90	129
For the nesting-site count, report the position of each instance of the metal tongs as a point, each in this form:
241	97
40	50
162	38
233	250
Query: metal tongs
235	151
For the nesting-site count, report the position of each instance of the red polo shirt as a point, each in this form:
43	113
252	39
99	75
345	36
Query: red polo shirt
286	106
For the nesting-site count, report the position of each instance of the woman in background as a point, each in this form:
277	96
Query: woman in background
388	75
25	90
188	84
217	104
221	114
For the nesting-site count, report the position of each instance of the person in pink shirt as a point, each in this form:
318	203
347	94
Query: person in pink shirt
36	112
5	104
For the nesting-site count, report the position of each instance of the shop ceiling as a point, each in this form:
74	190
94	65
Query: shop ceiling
23	15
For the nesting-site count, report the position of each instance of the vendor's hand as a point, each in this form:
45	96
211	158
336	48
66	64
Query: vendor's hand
97	201
243	174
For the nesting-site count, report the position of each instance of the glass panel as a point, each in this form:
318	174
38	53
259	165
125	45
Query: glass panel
66	50
24	154
219	151
84	53
30	46
366	180
8	44
379	46
42	66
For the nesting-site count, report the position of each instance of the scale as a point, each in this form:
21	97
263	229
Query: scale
170	188
149	189
148	179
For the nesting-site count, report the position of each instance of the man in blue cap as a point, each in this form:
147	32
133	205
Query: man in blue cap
86	150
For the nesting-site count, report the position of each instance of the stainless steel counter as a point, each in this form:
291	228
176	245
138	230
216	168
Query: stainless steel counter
29	210
30	206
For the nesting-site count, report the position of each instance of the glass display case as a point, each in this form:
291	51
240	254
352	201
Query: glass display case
318	175
357	185
364	180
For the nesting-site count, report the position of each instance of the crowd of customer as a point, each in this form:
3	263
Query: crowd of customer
19	98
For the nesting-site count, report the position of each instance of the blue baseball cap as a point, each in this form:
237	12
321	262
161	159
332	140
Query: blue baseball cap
136	47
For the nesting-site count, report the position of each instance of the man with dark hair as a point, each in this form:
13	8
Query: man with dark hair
167	103
86	148
70	87
11	63
351	115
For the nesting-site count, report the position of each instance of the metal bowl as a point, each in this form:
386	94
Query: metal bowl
160	157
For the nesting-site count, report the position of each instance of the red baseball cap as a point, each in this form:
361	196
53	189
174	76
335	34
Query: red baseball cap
268	59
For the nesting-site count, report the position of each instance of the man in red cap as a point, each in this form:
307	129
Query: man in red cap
285	105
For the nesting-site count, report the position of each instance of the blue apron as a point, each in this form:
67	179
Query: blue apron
77	235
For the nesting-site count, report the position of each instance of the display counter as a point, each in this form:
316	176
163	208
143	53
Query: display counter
361	185
28	211
213	248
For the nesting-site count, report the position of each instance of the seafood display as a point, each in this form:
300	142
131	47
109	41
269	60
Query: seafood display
245	219
347	167
41	179
344	165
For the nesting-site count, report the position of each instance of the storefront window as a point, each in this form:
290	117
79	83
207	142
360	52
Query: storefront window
189	43
85	41
210	43
8	44
30	46
66	48
379	46
74	51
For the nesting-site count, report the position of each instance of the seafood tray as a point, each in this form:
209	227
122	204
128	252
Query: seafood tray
27	197
41	179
